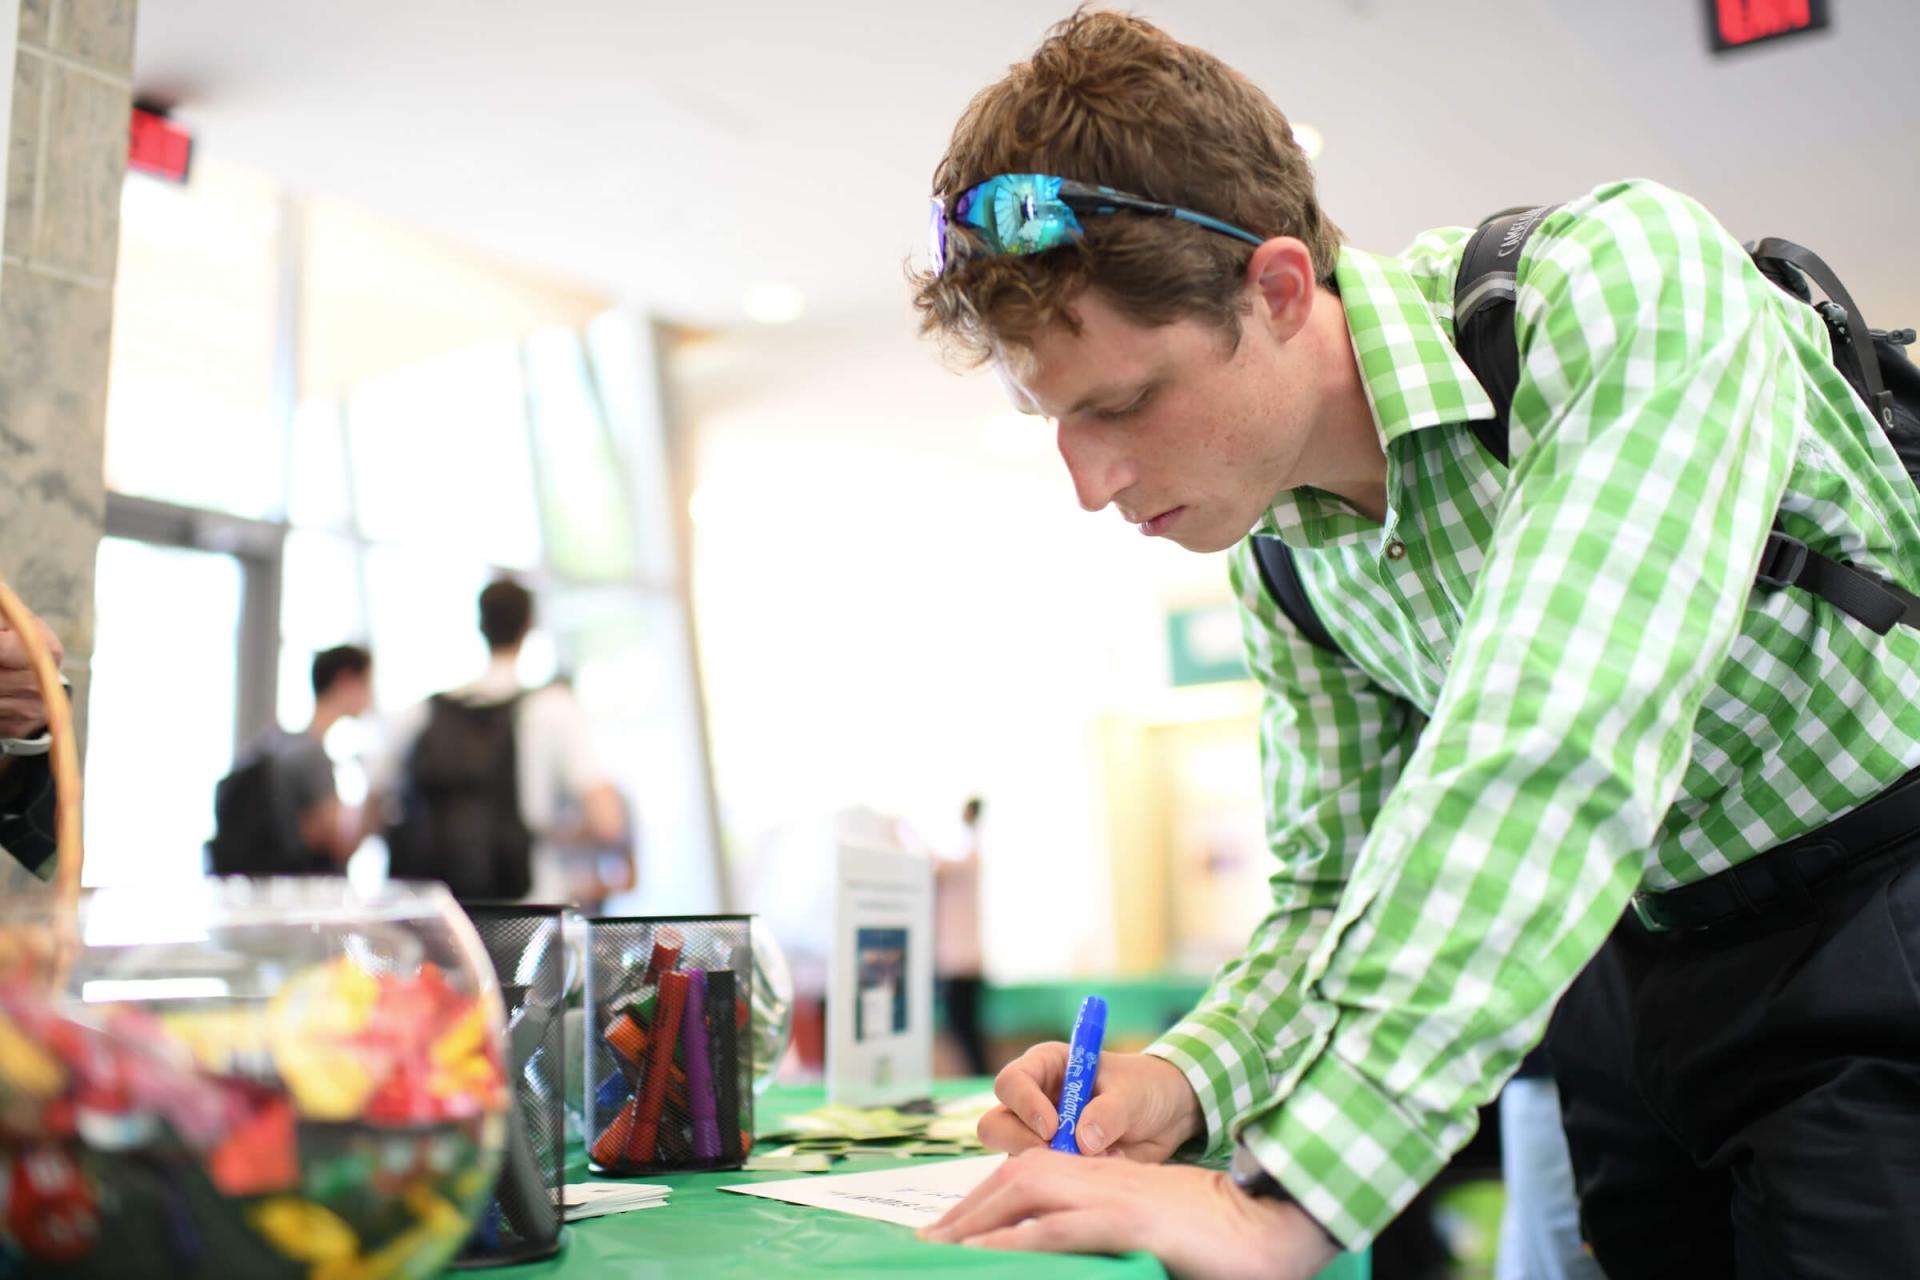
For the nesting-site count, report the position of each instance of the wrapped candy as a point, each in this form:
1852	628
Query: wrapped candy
347	1119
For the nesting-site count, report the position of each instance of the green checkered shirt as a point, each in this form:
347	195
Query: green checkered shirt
1563	684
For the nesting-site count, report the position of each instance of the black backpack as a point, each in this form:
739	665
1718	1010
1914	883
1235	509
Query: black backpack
459	801
1873	361
252	835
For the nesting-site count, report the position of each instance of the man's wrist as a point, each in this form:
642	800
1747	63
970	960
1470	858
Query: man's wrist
1223	1065
1253	1181
1287	1239
1190	1119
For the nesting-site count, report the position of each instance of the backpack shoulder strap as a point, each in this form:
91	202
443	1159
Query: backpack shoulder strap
1867	598
1846	325
1275	561
1483	294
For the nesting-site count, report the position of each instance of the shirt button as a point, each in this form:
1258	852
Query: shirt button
1396	550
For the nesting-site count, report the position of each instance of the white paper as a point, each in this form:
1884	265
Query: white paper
913	1196
597	1199
584	1212
880	977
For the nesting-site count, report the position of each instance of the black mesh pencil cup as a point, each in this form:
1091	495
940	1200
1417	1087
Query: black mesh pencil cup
669	1051
524	1219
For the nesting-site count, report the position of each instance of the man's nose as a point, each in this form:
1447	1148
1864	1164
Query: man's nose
1100	468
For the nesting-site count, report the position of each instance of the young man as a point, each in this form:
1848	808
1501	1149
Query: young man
1558	691
484	786
279	811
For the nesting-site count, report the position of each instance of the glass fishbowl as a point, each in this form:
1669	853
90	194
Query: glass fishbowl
233	1078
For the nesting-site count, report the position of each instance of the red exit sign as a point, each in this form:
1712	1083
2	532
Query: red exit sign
1735	24
157	146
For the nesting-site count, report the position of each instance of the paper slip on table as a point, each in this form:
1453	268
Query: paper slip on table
705	1233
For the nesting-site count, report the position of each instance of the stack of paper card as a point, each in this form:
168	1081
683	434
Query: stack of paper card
597	1199
812	1140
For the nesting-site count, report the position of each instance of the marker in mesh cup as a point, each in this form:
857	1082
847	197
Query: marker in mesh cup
1083	1066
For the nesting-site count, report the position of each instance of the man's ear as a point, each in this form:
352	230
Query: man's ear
1280	280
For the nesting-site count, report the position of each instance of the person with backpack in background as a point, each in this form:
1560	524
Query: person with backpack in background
1608	697
279	812
479	786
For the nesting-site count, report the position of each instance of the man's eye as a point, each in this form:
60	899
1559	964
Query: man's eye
1127	410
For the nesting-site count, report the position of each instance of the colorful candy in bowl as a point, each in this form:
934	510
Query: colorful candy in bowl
281	1078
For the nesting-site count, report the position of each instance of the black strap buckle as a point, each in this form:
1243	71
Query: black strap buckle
1649	919
1782	561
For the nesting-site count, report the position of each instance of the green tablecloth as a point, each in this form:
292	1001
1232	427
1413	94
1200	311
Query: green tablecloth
709	1234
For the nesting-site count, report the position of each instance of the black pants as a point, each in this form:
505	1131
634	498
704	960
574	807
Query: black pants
1745	1100
961	995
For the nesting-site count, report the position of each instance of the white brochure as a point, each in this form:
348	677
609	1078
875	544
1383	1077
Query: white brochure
880	977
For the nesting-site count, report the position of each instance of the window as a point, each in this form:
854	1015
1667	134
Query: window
583	494
441	457
195	324
161	718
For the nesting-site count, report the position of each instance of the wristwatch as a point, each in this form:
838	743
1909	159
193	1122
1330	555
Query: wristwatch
38	745
1252	1178
27	746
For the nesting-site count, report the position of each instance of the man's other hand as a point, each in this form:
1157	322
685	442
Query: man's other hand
23	714
1142	1106
1194	1220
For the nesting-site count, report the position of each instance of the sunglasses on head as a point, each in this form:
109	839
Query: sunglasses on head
1035	212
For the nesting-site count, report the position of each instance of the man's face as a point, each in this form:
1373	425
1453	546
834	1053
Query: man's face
1188	440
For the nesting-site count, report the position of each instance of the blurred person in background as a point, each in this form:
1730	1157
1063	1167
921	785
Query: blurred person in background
279	811
1540	1221
26	778
586	871
956	940
480	787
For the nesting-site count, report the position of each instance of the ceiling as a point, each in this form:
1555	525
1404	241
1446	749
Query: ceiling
675	155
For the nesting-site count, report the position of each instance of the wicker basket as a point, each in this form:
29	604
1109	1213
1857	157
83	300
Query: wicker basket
43	952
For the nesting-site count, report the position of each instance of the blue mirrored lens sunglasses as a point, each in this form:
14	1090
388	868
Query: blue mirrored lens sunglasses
1035	212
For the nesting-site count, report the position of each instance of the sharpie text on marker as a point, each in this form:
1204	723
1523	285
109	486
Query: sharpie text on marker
1083	1068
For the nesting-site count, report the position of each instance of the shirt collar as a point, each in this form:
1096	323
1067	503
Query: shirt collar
1399	315
501	679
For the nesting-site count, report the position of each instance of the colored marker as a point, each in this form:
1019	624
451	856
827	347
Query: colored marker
641	1144
1083	1067
613	1094
625	1035
610	1147
693	1037
725	1040
667	945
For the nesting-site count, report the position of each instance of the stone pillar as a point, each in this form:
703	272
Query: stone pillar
72	81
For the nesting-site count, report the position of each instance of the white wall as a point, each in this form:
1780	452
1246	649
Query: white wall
897	610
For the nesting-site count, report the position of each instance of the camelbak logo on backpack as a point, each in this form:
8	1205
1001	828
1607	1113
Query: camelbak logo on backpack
1516	235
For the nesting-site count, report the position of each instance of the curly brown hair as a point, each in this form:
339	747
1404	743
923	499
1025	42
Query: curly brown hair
1111	99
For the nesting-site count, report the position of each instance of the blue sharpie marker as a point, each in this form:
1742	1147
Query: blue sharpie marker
1083	1066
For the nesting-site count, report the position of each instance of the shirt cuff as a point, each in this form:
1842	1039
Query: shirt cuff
1226	1068
1344	1150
